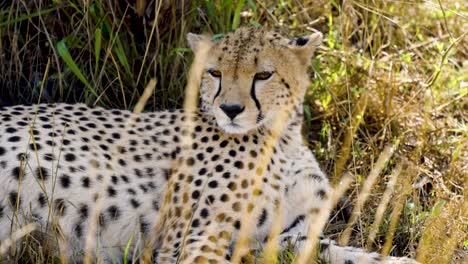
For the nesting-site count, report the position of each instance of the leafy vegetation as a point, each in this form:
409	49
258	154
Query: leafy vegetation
389	73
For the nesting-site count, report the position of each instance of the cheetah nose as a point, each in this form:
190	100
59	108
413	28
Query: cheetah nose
232	110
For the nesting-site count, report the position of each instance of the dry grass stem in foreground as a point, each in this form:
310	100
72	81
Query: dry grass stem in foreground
383	204
403	189
317	225
90	242
270	250
350	133
444	230
366	190
20	233
190	108
277	126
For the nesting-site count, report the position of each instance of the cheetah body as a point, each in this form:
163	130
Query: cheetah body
69	157
191	180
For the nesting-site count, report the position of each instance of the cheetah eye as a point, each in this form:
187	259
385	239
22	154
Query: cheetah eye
262	75
214	73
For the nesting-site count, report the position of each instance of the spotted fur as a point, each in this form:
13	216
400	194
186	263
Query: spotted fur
59	161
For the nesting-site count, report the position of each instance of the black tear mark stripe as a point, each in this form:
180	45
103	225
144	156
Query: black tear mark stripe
257	103
219	89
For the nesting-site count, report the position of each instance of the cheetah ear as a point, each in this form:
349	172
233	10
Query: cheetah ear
304	47
196	40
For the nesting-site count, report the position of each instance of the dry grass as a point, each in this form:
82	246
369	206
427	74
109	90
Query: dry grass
388	71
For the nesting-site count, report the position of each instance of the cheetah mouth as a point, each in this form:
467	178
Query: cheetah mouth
233	125
234	128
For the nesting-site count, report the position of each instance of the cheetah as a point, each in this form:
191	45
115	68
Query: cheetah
192	182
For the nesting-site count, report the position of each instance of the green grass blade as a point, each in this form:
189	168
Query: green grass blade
65	54
211	11
182	50
119	51
226	7
127	248
255	24
253	6
27	16
97	47
236	18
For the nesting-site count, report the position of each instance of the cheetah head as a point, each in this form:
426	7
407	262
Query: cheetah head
252	74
